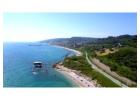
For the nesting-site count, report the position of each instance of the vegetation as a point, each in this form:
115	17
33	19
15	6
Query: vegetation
124	62
95	43
123	59
80	64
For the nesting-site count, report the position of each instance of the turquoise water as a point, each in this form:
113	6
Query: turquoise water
18	63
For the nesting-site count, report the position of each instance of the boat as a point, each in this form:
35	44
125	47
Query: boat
38	67
35	45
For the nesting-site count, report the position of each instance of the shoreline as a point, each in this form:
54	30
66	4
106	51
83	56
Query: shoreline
75	76
77	53
79	79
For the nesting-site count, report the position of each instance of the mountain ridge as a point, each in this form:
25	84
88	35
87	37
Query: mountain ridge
80	41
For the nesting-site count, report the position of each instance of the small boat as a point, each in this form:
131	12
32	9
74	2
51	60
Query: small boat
38	64
35	45
38	67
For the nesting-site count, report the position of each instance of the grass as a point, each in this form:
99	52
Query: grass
106	52
122	62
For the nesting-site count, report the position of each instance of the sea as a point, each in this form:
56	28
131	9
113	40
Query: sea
18	65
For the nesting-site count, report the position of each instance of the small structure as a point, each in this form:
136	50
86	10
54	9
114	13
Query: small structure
118	45
38	66
102	50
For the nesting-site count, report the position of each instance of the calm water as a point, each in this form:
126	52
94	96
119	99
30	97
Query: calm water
18	64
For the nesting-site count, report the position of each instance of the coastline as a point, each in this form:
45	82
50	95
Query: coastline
79	79
77	53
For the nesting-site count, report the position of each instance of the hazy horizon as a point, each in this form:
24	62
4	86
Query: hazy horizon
42	26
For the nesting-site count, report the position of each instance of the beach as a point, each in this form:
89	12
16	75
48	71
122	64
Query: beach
77	53
77	77
80	79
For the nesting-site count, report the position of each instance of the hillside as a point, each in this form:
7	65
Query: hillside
70	42
124	62
76	42
119	53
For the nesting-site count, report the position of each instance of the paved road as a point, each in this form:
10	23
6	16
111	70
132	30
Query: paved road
104	73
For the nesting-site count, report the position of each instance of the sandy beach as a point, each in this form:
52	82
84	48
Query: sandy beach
77	53
78	78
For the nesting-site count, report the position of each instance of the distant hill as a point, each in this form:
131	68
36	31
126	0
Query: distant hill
70	42
130	40
57	41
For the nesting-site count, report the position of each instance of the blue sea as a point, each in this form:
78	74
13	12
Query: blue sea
18	61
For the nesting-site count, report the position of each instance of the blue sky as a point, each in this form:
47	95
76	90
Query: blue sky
40	26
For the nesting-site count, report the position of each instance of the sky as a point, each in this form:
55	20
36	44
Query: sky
42	26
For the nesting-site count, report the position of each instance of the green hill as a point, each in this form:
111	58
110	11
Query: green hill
123	61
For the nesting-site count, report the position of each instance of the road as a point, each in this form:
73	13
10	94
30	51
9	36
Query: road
104	73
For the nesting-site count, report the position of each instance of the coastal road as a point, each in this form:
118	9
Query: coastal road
104	73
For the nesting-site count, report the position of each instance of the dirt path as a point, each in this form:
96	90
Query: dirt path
104	73
106	69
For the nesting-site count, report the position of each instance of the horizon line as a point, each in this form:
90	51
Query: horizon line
68	37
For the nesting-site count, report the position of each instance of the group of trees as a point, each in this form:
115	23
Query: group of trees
124	62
